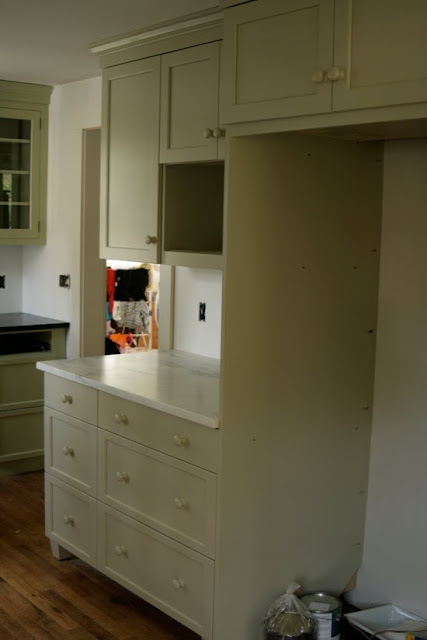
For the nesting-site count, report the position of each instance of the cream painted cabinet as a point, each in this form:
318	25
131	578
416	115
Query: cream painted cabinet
130	161
274	56
23	162
189	105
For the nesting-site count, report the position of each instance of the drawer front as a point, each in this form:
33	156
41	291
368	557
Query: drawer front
164	432
70	450
168	575
71	398
171	496
71	519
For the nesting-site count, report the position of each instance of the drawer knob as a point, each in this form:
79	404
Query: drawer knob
67	399
334	74
68	451
207	133
181	441
120	550
180	503
178	583
318	76
69	520
122	476
218	133
150	240
120	418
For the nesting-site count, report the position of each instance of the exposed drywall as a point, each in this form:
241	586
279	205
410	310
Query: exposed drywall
11	267
394	563
194	286
74	107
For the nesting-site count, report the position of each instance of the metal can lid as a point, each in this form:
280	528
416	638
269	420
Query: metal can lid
321	602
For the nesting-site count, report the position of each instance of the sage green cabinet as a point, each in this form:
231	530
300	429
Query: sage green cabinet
23	162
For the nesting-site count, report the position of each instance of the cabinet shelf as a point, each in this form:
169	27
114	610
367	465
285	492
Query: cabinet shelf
16	140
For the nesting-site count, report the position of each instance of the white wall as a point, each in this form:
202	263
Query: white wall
11	267
74	106
191	287
394	567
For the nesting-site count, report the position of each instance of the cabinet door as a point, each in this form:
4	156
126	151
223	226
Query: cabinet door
189	104
19	174
275	57
130	161
381	48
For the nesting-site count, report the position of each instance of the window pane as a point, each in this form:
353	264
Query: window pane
15	129
14	216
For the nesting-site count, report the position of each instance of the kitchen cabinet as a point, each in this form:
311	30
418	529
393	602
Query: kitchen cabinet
189	126
130	161
297	58
23	162
24	339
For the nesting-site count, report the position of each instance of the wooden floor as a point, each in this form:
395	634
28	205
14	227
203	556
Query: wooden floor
41	597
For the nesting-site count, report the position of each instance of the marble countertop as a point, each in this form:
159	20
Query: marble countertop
28	321
179	383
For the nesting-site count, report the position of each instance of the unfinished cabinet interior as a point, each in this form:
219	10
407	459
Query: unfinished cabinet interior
189	128
23	162
297	57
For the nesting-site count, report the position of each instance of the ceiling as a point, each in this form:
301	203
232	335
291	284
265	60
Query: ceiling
46	41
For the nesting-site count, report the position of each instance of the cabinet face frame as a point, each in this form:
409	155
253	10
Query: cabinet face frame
138	220
246	31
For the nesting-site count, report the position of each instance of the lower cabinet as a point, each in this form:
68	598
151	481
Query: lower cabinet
140	515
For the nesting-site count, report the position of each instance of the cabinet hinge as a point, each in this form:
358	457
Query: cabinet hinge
41	125
38	226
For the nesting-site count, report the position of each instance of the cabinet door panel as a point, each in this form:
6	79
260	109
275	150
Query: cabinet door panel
271	51
189	104
382	47
129	160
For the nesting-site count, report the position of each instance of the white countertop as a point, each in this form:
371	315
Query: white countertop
180	383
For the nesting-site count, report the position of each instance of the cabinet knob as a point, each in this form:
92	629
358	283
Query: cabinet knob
69	520
334	74
181	441
218	133
207	133
178	583
180	503
66	399
150	240
122	476
121	418
68	451
318	76
120	550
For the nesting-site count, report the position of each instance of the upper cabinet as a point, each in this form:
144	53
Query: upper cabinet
298	57
130	161
23	162
189	126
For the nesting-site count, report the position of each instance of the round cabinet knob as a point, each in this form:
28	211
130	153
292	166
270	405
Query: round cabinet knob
121	476
178	583
120	550
218	133
120	418
68	451
334	74
207	133
181	441
318	76
69	520
150	240
66	398
180	503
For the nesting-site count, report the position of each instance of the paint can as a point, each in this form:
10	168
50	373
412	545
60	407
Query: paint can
328	612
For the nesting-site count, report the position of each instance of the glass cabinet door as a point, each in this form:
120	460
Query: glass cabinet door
19	135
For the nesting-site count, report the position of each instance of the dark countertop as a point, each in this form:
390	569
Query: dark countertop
27	321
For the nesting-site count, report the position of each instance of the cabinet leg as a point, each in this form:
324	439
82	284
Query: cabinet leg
59	552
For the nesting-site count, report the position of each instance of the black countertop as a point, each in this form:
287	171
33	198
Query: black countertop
27	321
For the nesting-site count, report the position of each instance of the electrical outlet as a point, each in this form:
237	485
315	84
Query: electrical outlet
202	311
2	282
65	281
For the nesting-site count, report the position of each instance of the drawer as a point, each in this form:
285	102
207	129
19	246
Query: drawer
173	578
174	497
70	450
71	398
71	519
169	434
